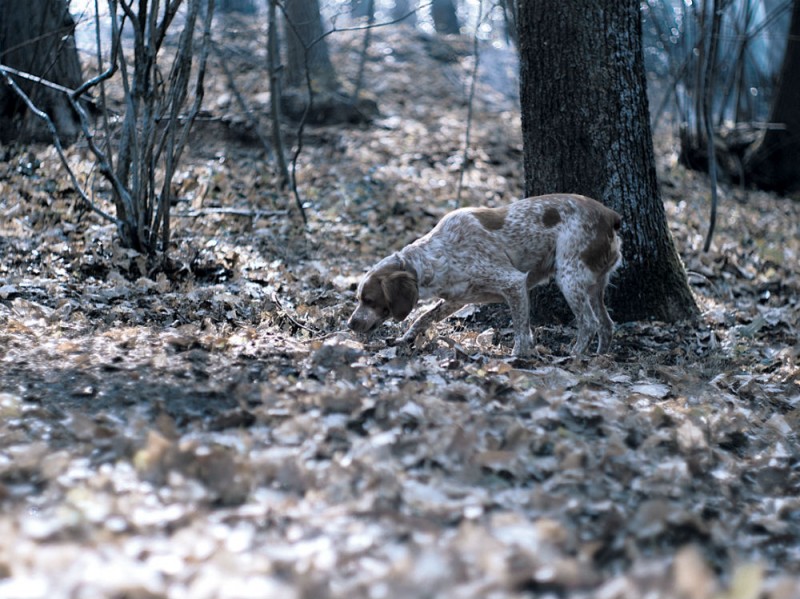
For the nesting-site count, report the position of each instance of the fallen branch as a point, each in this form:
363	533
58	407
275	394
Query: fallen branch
232	212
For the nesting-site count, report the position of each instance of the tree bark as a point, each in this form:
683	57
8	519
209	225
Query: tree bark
36	37
773	162
585	124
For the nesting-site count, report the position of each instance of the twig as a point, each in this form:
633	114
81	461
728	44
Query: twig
307	111
373	25
41	81
292	319
301	126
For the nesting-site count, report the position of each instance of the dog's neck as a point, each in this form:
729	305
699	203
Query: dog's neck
424	264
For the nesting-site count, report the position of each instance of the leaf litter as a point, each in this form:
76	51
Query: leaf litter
212	430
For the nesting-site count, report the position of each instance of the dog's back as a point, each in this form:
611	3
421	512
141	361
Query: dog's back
536	233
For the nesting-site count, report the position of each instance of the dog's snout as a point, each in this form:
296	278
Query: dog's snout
363	320
356	323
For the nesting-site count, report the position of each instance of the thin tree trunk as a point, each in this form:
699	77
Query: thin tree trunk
585	123
708	92
773	163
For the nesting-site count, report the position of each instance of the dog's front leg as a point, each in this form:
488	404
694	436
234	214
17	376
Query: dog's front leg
441	309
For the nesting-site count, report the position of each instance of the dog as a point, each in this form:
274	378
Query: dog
490	255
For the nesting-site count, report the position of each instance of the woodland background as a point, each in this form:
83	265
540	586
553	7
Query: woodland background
203	425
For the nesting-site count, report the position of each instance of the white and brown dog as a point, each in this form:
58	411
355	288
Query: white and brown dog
487	255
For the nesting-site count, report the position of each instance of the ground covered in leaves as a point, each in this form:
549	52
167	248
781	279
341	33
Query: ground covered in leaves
214	431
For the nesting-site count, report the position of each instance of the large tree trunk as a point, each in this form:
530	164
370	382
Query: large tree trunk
774	162
36	37
585	124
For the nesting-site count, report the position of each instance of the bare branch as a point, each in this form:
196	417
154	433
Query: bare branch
59	148
42	81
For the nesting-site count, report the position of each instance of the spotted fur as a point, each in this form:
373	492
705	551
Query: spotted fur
488	255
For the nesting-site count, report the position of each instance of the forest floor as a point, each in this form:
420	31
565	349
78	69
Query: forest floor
219	433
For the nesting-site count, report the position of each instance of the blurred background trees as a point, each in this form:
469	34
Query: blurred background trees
750	92
156	56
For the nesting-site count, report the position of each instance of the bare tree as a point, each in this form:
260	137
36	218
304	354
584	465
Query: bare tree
585	123
163	91
155	127
273	60
719	54
36	39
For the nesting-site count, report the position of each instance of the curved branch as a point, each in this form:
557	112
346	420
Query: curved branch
59	148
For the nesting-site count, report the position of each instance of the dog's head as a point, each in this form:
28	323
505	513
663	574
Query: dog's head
388	290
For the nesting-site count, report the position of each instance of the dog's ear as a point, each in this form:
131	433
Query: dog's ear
400	289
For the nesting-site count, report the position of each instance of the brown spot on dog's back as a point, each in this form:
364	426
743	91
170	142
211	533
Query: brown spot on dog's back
491	219
551	217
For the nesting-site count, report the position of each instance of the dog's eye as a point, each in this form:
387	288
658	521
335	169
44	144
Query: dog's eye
378	307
